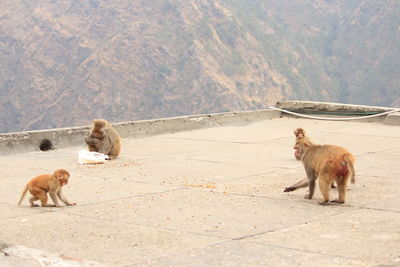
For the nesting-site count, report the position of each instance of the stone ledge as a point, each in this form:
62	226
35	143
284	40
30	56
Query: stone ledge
392	119
327	107
29	141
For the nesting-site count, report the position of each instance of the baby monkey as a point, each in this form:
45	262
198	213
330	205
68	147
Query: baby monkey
300	134
47	183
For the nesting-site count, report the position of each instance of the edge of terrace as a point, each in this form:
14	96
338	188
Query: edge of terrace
20	142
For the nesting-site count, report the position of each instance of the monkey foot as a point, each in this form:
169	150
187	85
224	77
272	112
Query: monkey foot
34	205
307	196
337	201
324	202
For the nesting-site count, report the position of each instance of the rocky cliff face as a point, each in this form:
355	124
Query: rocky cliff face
63	63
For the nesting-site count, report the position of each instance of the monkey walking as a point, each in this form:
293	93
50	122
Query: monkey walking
103	138
327	164
47	183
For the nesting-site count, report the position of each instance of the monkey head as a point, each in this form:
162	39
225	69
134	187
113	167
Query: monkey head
299	133
99	125
62	175
98	129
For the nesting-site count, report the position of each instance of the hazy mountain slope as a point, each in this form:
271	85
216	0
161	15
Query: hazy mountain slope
64	63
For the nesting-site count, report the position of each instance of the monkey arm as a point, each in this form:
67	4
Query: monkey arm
54	198
63	199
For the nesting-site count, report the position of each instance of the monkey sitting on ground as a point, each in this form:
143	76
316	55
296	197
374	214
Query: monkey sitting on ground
327	164
47	183
300	134
103	138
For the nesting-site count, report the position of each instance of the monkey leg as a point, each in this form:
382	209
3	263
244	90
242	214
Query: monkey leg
311	182
32	199
54	198
42	196
311	189
324	185
105	148
299	184
342	188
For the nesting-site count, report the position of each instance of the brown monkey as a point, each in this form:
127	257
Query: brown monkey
300	134
103	138
47	183
326	163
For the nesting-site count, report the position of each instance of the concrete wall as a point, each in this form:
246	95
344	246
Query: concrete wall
327	109
64	137
59	138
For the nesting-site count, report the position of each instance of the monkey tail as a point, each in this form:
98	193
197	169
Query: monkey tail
349	163
23	194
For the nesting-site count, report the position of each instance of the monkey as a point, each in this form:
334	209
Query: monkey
47	183
325	163
103	138
300	133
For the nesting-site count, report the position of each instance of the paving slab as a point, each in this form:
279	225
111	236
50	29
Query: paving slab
365	191
107	241
217	214
364	234
389	204
248	253
211	197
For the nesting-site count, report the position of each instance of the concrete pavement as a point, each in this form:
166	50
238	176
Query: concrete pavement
210	197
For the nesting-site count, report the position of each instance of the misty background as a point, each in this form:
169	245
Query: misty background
63	63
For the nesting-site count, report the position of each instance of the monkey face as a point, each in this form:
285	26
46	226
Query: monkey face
62	176
99	125
299	133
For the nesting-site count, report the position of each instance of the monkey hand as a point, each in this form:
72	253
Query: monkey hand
92	141
71	204
289	189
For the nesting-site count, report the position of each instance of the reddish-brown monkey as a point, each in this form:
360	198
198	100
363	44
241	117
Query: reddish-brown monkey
47	183
327	164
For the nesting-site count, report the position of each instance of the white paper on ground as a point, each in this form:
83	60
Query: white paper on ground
87	157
